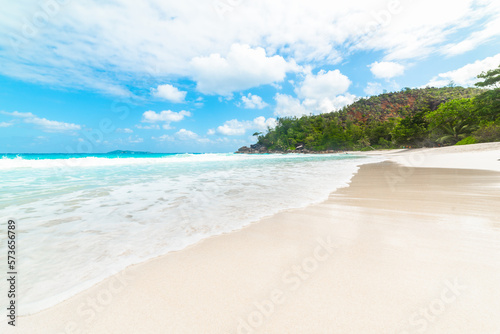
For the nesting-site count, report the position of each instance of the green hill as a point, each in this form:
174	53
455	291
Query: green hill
405	103
410	117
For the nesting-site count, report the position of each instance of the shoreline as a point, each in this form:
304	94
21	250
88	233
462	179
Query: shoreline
344	177
183	260
398	155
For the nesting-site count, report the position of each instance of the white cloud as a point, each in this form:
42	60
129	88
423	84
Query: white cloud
253	102
261	123
43	123
140	40
52	126
18	114
320	93
166	116
417	32
184	134
148	127
5	124
126	130
235	127
170	93
323	85
287	105
326	105
386	70
373	88
490	30
243	68
466	75
210	132
323	92
163	138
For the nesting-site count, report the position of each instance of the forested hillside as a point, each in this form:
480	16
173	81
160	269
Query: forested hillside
411	117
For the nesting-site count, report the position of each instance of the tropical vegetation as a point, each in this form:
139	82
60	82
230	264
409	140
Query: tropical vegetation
408	118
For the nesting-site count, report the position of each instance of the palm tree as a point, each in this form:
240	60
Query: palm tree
454	133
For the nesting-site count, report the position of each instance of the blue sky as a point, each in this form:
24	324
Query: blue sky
193	76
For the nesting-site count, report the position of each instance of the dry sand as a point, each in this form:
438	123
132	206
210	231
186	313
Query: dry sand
401	250
479	156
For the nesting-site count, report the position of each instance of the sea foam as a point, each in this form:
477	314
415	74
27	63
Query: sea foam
83	219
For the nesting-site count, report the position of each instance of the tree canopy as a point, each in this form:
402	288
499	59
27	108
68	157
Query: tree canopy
410	117
490	78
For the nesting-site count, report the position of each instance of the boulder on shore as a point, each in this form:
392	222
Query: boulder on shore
260	149
253	149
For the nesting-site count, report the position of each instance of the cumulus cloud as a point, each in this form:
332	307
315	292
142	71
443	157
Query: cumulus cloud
326	105
261	123
169	93
386	69
323	92
165	116
43	123
466	75
288	106
184	134
323	85
5	124
235	127
253	102
243	68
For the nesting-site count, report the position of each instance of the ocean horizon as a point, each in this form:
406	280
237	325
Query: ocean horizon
82	218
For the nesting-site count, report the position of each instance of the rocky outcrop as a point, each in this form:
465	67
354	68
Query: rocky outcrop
254	149
260	149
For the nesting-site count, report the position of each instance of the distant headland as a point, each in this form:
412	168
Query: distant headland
127	152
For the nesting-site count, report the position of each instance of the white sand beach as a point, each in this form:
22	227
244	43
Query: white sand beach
480	156
411	246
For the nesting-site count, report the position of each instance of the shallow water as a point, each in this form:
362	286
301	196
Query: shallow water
83	218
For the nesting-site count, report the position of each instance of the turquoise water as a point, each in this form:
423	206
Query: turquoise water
51	156
82	218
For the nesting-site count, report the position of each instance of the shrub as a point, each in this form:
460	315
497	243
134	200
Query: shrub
467	141
488	133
